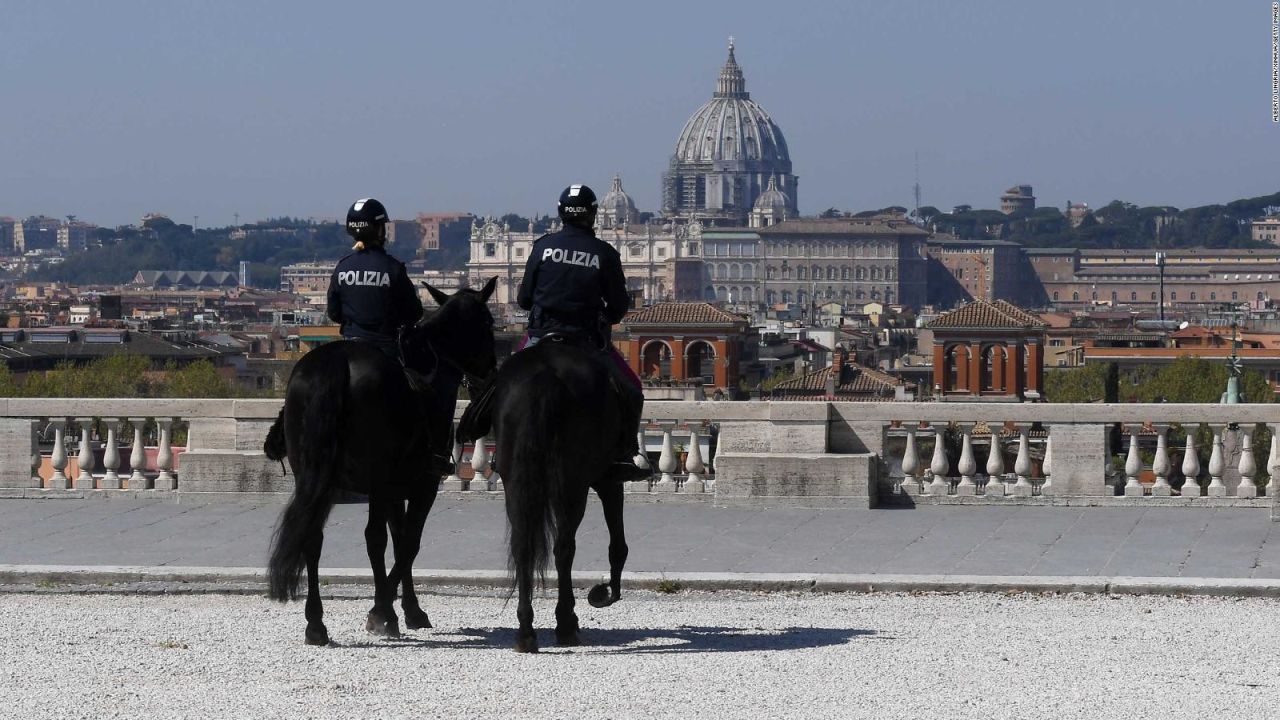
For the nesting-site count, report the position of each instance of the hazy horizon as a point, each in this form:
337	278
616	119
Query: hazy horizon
297	108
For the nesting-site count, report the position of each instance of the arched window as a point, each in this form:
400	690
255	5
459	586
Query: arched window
786	296
1235	295
875	273
1260	296
800	273
747	294
801	297
1153	297
1075	296
953	376
844	273
888	273
656	360
770	297
1173	295
735	272
722	293
1055	296
1095	294
1213	296
1193	294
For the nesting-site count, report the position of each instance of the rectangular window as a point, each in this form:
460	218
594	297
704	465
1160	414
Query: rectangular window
662	252
519	252
636	251
490	249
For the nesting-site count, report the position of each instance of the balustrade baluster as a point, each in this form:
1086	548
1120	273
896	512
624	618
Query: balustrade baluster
1273	460
84	480
642	459
111	457
1133	463
1217	463
36	459
1022	465
967	465
910	463
693	463
58	460
1191	463
1046	466
1160	465
479	463
666	461
138	456
995	462
939	466
165	480
1248	467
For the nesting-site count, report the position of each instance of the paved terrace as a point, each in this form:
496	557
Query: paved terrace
677	539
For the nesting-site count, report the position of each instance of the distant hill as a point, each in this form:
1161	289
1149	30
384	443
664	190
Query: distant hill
163	245
1116	225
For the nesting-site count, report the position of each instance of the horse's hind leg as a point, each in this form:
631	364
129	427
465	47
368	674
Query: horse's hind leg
382	618
566	547
317	633
604	595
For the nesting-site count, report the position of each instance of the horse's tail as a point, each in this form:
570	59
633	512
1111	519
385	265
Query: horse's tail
304	517
538	481
275	446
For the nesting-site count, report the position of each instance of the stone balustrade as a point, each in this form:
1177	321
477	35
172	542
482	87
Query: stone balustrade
865	453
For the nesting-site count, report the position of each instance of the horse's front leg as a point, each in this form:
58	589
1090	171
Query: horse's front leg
566	547
409	543
317	633
382	618
606	594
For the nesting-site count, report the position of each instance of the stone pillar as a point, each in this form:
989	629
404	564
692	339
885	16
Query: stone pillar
940	374
17	445
1080	459
1217	463
693	463
939	466
1190	463
1133	463
677	358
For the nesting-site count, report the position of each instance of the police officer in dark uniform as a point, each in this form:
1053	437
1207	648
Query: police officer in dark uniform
573	285
370	294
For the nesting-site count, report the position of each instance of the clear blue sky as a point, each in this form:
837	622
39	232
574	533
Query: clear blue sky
111	110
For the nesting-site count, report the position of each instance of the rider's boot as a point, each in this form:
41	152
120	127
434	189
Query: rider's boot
631	406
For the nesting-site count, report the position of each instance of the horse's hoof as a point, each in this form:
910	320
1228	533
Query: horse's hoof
527	644
600	596
317	635
379	626
570	638
416	619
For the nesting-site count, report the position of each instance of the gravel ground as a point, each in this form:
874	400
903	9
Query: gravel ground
723	655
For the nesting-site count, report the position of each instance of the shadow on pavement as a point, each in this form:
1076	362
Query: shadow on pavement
683	639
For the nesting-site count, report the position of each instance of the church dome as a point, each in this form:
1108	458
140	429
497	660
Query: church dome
731	126
773	199
617	207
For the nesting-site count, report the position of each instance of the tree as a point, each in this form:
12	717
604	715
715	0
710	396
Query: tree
1088	384
831	213
200	379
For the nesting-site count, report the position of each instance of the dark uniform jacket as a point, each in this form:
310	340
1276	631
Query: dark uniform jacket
371	296
572	281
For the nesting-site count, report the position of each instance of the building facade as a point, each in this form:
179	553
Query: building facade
988	352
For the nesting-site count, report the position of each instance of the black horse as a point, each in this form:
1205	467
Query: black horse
557	425
354	419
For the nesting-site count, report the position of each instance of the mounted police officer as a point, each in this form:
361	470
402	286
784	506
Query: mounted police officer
370	294
573	286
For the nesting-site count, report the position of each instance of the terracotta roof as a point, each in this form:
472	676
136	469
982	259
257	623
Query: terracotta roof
857	380
681	314
983	314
